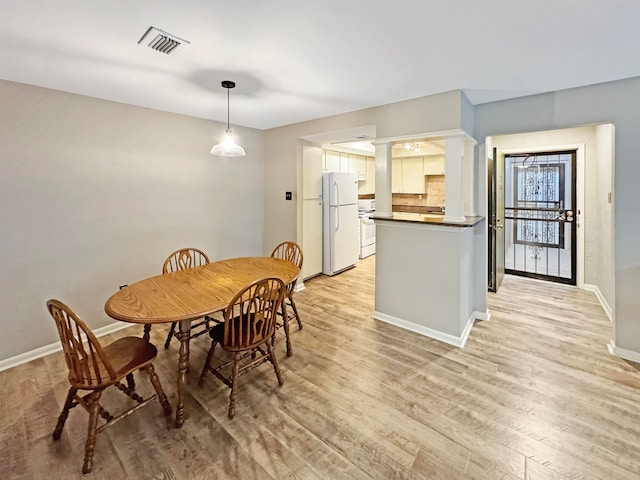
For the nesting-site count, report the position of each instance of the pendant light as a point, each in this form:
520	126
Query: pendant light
228	147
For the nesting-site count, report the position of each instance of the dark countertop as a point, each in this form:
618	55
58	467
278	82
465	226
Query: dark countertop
431	219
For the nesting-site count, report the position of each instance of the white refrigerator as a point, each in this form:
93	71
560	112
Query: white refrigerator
340	245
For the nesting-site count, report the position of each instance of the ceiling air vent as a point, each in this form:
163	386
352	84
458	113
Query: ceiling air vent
161	41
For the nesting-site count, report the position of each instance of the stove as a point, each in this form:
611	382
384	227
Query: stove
366	209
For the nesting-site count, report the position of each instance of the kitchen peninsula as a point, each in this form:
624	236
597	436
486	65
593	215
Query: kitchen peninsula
431	273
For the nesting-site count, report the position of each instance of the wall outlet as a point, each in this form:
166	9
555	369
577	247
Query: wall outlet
287	195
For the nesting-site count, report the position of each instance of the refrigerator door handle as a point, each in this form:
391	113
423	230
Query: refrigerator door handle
335	186
337	219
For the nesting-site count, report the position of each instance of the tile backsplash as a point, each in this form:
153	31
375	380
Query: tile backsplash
434	186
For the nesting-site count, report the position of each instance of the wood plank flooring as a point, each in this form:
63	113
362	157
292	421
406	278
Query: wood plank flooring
533	395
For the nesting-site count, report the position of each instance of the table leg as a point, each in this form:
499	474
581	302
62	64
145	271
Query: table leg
147	331
183	365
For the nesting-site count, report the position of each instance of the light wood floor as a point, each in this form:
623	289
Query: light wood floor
533	395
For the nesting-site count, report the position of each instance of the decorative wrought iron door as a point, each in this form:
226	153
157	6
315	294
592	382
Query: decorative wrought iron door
540	233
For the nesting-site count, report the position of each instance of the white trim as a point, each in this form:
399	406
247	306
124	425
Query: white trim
455	132
623	353
56	347
485	317
299	286
429	332
603	302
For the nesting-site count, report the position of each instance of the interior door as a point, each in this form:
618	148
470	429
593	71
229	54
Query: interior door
496	219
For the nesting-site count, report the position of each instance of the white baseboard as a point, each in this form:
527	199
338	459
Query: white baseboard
429	332
57	346
623	353
601	299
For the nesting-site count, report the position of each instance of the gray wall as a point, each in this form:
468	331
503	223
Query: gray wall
614	102
94	194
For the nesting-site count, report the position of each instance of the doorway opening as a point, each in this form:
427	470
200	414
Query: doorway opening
346	151
586	207
539	213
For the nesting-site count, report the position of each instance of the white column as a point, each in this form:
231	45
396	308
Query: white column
454	179
383	179
470	179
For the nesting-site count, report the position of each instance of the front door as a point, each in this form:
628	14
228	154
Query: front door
540	232
496	219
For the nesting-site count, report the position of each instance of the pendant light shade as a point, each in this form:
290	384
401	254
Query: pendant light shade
228	147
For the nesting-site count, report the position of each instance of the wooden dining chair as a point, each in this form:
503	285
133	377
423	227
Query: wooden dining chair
247	332
291	252
93	368
179	260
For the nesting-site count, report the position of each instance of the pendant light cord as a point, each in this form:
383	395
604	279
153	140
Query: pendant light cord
228	108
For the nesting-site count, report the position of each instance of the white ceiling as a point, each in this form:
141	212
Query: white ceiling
295	60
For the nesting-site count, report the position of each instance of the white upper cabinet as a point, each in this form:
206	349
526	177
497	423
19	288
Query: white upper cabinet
344	162
371	174
407	175
331	161
353	163
367	175
412	175
434	165
362	166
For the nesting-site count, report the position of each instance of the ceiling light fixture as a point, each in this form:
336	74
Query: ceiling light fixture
228	147
412	146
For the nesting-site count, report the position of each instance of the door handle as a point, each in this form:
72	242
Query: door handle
565	216
569	214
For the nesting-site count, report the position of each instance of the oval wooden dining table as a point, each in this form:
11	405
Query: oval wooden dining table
190	294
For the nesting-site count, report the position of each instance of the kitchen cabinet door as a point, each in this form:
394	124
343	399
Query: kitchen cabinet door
412	175
371	175
434	165
362	166
331	161
344	162
353	163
